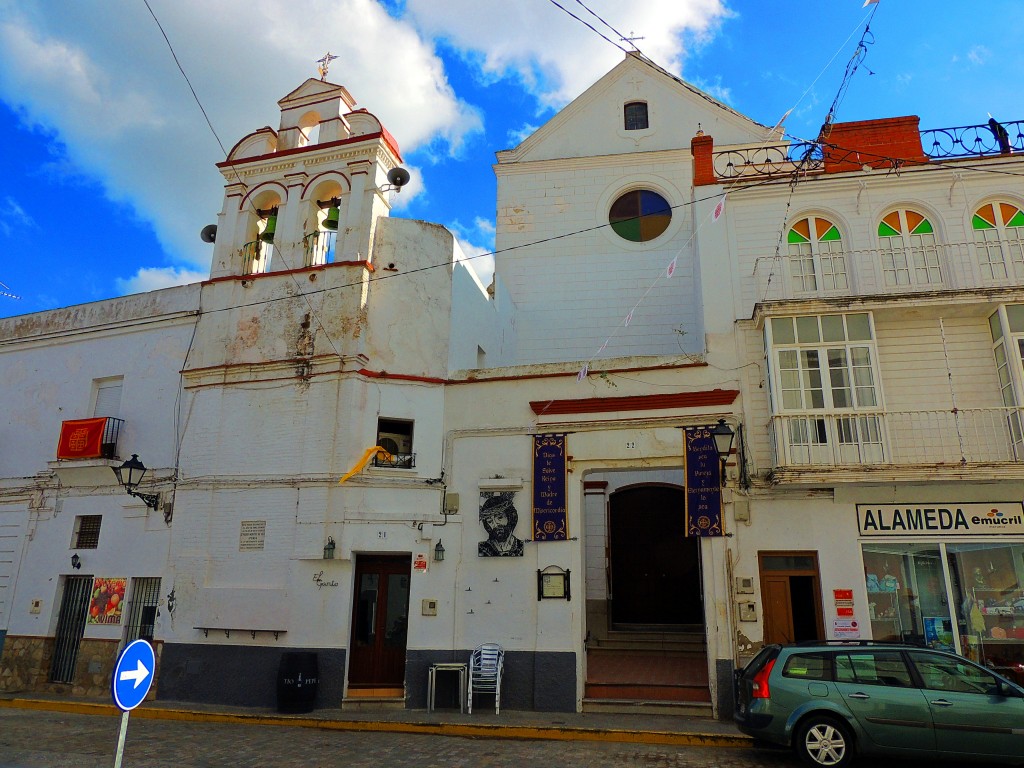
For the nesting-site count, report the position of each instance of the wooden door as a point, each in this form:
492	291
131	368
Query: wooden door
655	569
380	622
791	597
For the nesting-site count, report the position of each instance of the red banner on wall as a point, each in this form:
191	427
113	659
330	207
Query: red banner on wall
81	439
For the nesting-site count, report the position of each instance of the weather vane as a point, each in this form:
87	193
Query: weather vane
324	63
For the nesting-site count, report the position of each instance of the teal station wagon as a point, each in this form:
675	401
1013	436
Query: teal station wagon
831	701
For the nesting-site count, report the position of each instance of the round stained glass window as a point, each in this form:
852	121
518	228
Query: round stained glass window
640	215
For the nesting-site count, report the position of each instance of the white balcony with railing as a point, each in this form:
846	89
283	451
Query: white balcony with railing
962	436
873	271
256	257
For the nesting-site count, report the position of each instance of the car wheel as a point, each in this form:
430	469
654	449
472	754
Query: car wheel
824	741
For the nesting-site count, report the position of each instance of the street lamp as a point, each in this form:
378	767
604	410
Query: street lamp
723	435
130	475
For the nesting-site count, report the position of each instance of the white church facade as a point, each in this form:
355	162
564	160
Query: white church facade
664	266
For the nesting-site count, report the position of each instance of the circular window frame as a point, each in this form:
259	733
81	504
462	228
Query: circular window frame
638	189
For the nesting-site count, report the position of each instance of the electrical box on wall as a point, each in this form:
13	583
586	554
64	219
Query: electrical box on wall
744	585
741	510
36	606
747	610
429	607
451	503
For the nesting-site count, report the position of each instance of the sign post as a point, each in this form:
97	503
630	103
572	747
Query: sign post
131	681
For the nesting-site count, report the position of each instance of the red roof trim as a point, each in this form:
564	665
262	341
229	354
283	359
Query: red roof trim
384	136
316	267
636	403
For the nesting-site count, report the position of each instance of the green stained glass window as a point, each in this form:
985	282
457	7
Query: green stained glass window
979	223
1017	220
640	215
832	234
884	230
796	237
924	228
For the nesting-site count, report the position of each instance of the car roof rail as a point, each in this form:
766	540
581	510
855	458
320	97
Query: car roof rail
807	643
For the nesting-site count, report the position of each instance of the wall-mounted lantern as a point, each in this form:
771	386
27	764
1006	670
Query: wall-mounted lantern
439	552
723	435
130	475
76	561
329	549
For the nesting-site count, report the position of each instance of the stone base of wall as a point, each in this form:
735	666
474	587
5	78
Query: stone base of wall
25	667
246	676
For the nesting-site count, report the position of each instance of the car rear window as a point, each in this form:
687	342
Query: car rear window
809	666
873	668
762	658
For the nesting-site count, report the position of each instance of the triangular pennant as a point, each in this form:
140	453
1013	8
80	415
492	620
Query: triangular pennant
719	209
629	319
671	267
583	372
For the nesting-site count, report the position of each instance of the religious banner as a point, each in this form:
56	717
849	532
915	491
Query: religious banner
703	483
81	439
106	601
549	508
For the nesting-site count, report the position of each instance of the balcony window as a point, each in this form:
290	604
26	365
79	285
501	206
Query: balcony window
999	240
910	255
1008	351
816	257
823	374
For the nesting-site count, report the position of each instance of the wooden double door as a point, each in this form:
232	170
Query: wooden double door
655	569
380	621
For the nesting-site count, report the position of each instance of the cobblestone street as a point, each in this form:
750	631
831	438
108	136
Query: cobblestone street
35	739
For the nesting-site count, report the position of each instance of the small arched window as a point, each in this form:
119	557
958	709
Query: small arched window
816	255
636	115
999	240
910	255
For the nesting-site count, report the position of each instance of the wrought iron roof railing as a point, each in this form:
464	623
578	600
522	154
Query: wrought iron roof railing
774	160
973	140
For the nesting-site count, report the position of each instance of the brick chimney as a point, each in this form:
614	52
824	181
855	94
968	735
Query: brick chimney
702	147
897	137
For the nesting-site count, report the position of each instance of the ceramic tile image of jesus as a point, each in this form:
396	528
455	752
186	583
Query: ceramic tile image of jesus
498	516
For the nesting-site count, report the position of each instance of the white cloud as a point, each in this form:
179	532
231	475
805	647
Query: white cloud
519	135
480	258
102	80
716	89
978	55
553	55
151	279
14	215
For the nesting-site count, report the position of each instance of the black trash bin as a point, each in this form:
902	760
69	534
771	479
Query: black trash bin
298	679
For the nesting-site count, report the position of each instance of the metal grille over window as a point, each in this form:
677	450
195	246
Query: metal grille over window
87	532
142	607
70	627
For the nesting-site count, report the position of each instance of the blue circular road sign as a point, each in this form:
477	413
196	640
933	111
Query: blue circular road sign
133	675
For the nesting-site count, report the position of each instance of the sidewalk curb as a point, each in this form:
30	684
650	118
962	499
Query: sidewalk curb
548	733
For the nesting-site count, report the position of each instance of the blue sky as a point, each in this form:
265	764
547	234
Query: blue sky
108	165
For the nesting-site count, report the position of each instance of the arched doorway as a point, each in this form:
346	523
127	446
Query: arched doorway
654	578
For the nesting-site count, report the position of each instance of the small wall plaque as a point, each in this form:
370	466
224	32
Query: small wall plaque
553	584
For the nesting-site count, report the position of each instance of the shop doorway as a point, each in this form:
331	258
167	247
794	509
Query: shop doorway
654	579
791	596
380	622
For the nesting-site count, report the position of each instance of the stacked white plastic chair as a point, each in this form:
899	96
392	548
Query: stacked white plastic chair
485	667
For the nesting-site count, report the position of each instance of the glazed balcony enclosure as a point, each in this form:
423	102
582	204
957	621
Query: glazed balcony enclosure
951	437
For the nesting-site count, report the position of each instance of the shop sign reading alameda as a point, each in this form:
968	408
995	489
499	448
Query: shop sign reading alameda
940	519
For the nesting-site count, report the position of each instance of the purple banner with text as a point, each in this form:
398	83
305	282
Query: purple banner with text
549	508
703	484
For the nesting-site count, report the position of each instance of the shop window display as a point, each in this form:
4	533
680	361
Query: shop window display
974	606
907	598
988	581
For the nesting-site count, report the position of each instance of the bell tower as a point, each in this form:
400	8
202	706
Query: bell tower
309	193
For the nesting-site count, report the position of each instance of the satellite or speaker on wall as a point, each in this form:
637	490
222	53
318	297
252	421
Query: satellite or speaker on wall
208	233
398	176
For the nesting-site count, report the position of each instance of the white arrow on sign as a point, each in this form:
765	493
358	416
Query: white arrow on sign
138	675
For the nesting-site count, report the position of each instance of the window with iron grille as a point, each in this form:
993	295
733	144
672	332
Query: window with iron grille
87	532
636	116
142	605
